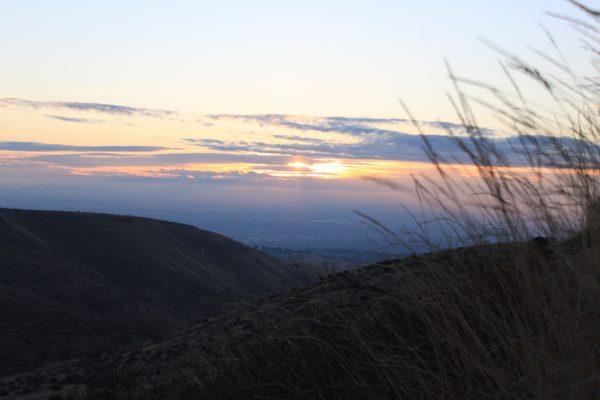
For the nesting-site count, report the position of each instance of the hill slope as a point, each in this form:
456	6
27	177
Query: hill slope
72	284
491	322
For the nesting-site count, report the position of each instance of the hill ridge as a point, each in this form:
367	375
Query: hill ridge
112	278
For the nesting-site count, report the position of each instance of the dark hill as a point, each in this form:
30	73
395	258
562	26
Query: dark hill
73	284
510	321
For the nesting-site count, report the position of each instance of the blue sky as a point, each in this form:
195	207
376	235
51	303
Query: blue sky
310	57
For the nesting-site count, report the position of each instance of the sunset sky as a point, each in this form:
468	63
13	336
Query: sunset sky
234	104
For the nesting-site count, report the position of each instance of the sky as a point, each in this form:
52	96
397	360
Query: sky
201	110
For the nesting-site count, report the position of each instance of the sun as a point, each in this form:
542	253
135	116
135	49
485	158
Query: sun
330	168
298	165
322	169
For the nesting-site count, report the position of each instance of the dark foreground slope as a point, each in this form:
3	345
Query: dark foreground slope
493	322
72	284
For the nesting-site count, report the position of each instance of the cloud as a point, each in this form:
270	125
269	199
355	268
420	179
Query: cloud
203	141
333	137
391	139
49	147
378	138
297	138
389	146
216	177
112	109
396	146
75	120
318	124
356	126
92	160
258	118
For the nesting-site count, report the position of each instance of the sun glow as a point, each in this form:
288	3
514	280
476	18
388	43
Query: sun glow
323	169
332	168
298	165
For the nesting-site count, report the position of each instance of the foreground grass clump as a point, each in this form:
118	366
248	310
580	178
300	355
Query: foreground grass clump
521	329
510	321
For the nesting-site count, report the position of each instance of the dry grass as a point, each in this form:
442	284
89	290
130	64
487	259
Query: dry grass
510	321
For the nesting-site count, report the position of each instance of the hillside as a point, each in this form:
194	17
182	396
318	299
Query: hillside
509	321
74	284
